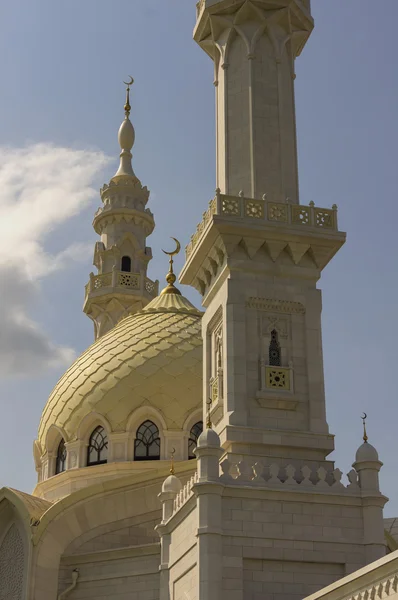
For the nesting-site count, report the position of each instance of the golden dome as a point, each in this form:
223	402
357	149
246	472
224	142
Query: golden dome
152	358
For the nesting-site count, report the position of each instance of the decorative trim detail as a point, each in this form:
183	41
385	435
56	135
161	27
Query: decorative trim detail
277	378
274	305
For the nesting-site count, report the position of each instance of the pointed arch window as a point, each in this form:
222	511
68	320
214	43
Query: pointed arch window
275	355
60	463
193	439
147	442
126	264
97	453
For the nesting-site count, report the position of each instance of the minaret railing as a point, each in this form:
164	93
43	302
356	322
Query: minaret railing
121	280
270	213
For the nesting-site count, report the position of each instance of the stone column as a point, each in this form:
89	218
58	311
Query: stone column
209	491
170	489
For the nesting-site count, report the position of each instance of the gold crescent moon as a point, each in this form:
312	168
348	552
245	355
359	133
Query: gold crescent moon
176	251
129	82
365	416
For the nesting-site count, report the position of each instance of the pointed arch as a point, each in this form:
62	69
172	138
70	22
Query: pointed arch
143	412
89	423
195	432
53	437
125	264
147	442
18	511
275	354
60	459
97	451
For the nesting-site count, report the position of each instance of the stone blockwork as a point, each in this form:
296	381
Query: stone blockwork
131	574
378	580
282	537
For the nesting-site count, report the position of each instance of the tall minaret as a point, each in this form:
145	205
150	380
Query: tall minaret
258	254
121	287
253	46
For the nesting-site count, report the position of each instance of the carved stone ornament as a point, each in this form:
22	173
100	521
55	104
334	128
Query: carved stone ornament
274	305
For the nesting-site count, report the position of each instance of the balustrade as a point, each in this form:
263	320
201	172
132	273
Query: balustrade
271	213
121	280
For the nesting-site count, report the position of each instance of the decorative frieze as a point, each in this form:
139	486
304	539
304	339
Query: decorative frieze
275	305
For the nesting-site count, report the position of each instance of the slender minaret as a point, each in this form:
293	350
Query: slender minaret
254	46
258	254
121	287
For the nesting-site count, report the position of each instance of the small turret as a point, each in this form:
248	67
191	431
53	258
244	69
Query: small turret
368	465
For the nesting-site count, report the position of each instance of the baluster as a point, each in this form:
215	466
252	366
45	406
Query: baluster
274	472
306	472
290	472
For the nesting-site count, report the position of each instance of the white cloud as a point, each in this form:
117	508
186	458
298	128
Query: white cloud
41	187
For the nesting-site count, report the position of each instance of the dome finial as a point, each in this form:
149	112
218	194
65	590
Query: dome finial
127	107
365	435
170	277
172	470
126	137
209	424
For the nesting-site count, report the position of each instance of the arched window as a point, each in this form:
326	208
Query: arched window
147	442
274	350
60	463
97	447
193	438
126	264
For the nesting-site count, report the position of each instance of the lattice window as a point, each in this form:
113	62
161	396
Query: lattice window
278	378
274	350
193	438
97	447
147	442
60	463
129	280
11	565
126	264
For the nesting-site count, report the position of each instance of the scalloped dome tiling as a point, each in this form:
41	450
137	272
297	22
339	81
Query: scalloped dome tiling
153	357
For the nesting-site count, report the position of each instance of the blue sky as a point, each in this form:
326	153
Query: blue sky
61	105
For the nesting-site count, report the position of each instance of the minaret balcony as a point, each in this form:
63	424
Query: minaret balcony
121	282
302	218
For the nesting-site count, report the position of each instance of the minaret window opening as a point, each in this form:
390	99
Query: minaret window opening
147	442
193	439
60	463
275	357
126	264
97	447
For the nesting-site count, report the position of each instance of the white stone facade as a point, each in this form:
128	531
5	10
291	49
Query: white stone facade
263	513
259	536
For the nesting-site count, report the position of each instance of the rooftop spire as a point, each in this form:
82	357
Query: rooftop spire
126	137
170	277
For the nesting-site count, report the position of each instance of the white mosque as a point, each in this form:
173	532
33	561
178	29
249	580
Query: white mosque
184	455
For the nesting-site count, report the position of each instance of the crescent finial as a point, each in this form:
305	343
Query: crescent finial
177	249
170	277
209	424
365	435
128	83
173	451
127	107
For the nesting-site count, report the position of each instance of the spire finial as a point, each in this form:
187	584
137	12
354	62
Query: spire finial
209	424
127	107
365	435
170	277
172	470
